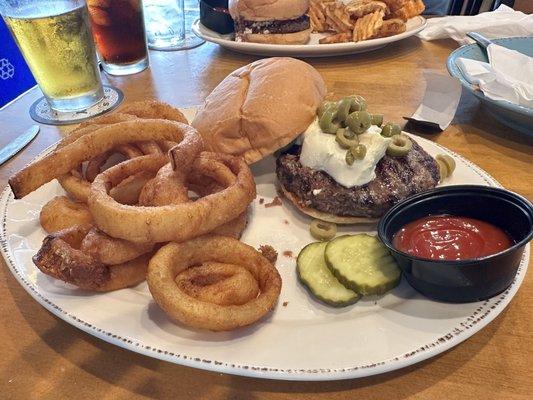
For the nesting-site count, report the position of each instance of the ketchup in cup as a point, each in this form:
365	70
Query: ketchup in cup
447	237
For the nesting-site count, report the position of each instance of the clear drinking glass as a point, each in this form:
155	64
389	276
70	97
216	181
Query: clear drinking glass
118	29
55	39
167	24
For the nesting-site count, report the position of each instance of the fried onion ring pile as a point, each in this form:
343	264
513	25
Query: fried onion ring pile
180	277
163	188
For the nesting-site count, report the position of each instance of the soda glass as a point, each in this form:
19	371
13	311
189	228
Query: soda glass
118	29
55	39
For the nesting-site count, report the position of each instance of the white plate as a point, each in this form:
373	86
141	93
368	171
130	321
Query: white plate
313	48
304	340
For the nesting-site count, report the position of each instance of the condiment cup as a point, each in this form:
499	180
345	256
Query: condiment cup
215	16
465	280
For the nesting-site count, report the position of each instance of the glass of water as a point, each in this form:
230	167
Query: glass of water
168	22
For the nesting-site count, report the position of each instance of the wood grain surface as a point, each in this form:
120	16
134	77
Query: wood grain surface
43	357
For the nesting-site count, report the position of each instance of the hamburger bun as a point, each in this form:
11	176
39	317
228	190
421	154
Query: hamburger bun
266	10
337	219
301	37
260	108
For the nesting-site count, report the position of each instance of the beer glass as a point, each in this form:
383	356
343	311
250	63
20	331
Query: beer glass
118	29
55	39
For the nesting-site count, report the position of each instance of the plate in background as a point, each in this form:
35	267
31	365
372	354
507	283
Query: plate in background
313	48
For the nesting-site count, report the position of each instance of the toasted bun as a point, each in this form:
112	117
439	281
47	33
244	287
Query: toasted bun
301	37
338	219
266	10
260	107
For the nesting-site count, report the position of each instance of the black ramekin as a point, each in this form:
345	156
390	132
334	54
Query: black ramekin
215	16
466	280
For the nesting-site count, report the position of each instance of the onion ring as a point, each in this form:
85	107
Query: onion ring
128	191
154	109
222	284
171	222
61	213
167	187
111	251
174	258
60	258
64	159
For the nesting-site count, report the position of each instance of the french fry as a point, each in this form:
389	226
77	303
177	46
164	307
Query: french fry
359	8
409	10
342	37
391	27
367	26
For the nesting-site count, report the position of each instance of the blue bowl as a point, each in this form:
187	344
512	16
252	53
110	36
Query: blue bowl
514	116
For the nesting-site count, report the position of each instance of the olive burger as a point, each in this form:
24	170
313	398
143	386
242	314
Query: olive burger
271	21
345	166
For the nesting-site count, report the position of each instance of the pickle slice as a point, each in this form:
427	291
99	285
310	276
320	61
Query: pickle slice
362	263
313	273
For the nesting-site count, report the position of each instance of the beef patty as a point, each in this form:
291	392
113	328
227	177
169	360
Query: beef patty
274	26
396	179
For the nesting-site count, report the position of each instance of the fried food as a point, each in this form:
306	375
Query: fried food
364	19
61	212
410	9
167	187
269	253
111	251
342	37
391	27
154	109
171	222
218	283
60	257
128	191
64	159
172	259
338	18
368	26
360	8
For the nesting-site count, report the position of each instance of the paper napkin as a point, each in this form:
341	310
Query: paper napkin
440	101
507	76
503	22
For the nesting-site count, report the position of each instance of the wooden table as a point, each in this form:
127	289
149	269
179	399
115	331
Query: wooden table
44	357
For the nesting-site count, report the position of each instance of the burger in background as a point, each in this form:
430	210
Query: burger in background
271	21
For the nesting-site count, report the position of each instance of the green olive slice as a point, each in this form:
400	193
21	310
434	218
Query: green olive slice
325	106
443	170
377	119
359	103
390	129
327	123
358	152
448	161
346	138
399	146
344	108
359	121
350	159
322	230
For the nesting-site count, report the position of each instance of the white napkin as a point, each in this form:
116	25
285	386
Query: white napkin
440	100
507	76
503	22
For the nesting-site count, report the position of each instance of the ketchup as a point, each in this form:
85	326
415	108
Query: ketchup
445	237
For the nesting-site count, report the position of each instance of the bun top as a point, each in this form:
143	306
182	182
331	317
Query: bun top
266	10
260	107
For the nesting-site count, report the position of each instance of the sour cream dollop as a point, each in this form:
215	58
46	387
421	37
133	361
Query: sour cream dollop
320	151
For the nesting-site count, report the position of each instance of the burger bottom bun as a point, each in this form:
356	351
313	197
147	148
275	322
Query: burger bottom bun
301	37
337	219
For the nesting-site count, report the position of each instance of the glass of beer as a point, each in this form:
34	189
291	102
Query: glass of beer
118	29
55	39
